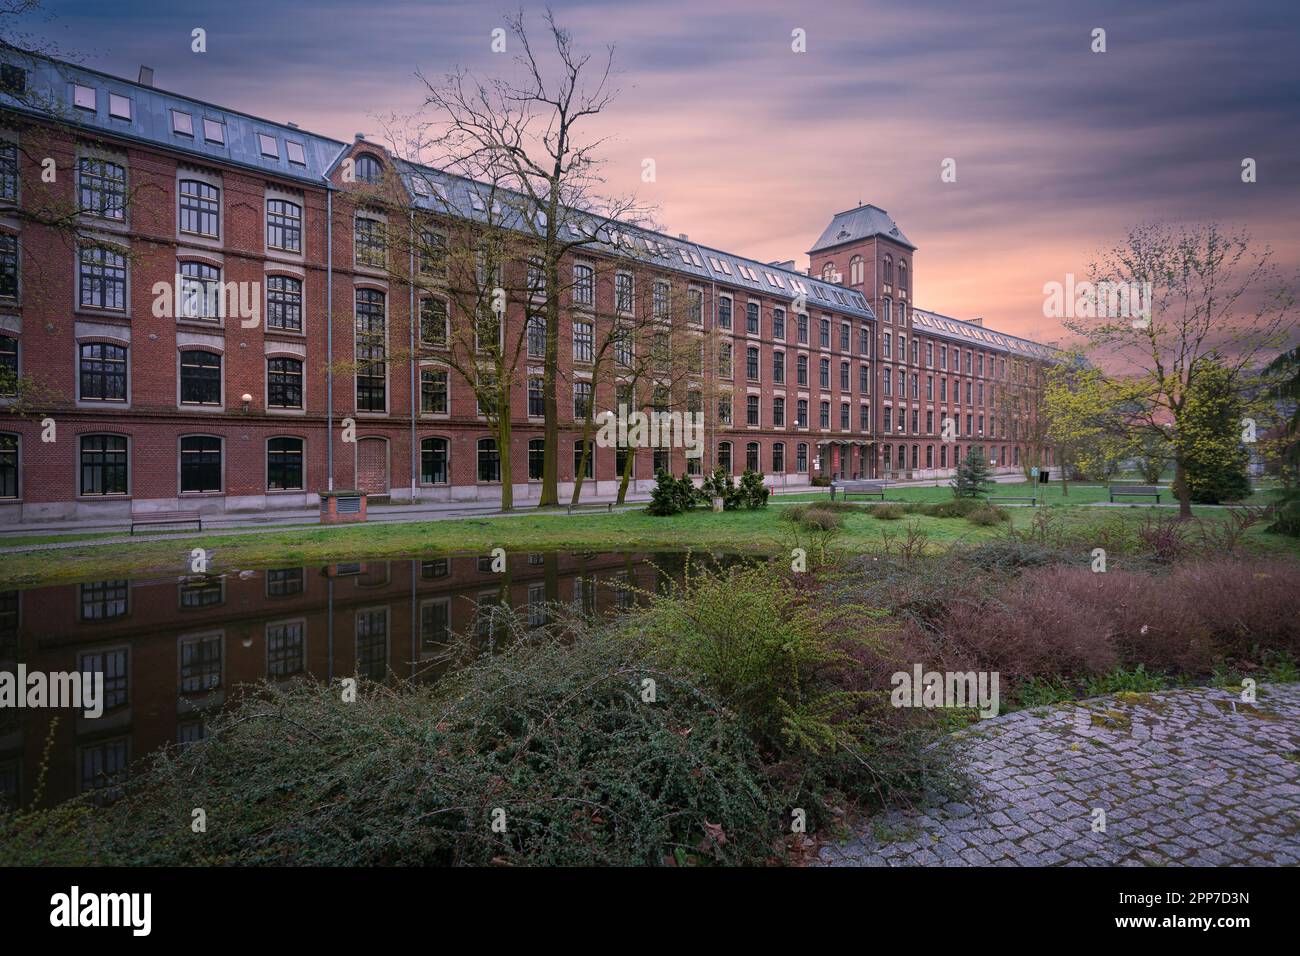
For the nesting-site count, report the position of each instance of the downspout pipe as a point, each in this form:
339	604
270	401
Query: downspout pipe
413	318
329	332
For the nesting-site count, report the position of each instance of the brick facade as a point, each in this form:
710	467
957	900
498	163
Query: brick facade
219	453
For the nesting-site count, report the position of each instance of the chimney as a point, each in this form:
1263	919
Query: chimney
979	321
683	237
784	264
146	76
292	125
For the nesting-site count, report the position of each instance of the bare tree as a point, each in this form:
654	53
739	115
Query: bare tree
528	134
1211	296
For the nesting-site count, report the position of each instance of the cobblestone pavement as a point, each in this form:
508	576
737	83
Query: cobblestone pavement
1188	777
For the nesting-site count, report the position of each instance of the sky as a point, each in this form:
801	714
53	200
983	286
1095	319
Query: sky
1058	149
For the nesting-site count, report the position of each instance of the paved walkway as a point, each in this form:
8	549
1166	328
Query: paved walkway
1190	777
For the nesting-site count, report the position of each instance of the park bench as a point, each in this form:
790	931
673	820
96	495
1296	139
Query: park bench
1032	499
598	506
166	517
1139	491
866	488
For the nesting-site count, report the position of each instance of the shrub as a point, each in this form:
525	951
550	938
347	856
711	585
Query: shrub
556	734
888	511
671	495
814	517
987	516
752	492
956	508
807	680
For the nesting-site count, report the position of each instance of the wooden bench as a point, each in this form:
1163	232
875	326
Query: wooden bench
1139	491
166	517
607	506
867	489
1032	499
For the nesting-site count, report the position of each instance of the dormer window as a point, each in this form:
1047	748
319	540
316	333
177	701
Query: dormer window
119	107
368	169
83	97
182	123
297	155
214	131
268	145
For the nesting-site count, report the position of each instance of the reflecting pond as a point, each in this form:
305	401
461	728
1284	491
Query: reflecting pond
173	650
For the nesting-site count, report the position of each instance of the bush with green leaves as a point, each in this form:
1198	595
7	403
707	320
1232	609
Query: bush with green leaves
808	680
672	496
888	511
750	493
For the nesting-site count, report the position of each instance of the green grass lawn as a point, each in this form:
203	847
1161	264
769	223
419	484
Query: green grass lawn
759	532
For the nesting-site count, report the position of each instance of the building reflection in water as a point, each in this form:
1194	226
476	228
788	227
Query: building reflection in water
173	650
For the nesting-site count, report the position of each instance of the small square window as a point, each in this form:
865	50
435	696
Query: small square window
268	145
295	152
83	97
119	107
214	131
182	123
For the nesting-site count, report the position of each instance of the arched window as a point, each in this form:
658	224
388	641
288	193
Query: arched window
368	169
8	465
929	456
433	461
828	270
489	460
889	458
887	270
724	456
536	458
778	458
751	456
200	463
590	470
200	377
902	276
855	271
284	464
801	457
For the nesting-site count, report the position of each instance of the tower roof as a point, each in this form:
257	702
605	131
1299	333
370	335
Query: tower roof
860	223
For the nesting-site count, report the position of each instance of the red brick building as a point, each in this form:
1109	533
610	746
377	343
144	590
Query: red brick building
124	210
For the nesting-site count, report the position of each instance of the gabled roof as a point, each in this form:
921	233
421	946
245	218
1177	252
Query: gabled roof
853	225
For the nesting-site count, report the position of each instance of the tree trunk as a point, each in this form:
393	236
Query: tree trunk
626	476
581	474
1181	489
503	451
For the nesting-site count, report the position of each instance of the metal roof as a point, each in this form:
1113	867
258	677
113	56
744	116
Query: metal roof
246	141
971	334
51	93
860	223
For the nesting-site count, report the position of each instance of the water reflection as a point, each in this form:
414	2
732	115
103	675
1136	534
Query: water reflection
173	650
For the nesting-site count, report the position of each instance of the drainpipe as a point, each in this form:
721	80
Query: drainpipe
329	335
411	322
